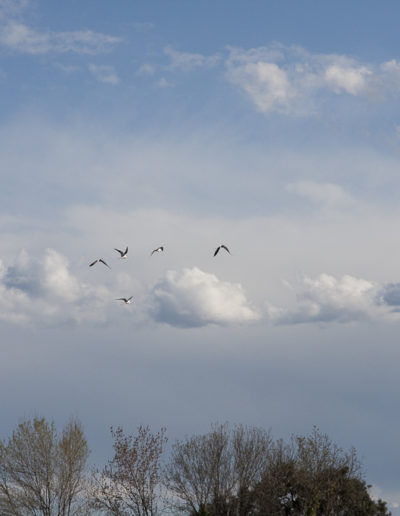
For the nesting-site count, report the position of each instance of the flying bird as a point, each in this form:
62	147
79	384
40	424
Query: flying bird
122	253
158	250
100	260
126	301
221	247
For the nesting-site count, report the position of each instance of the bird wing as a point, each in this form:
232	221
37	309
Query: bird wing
216	251
226	249
93	263
129	298
126	250
121	299
119	250
103	261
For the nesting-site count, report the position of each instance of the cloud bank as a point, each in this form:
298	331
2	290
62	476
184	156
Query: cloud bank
44	291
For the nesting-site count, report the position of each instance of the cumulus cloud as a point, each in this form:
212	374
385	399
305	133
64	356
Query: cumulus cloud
323	193
350	79
266	84
21	38
327	299
193	298
289	79
104	74
44	290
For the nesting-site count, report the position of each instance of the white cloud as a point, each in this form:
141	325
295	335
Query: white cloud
18	36
352	80
188	61
21	38
45	291
327	299
324	193
265	83
57	279
195	298
289	79
104	74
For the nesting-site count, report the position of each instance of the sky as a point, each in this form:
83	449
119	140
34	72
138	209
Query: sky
270	127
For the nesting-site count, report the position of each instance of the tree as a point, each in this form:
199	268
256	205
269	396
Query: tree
128	483
251	447
314	477
71	460
242	472
214	473
40	473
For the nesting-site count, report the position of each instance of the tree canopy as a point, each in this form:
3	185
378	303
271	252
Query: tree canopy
41	473
229	471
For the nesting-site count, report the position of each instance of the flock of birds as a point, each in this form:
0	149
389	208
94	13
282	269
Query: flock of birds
124	255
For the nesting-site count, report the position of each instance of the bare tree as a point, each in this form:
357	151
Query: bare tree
41	474
128	484
216	472
72	452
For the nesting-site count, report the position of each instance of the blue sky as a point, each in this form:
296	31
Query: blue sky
271	127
